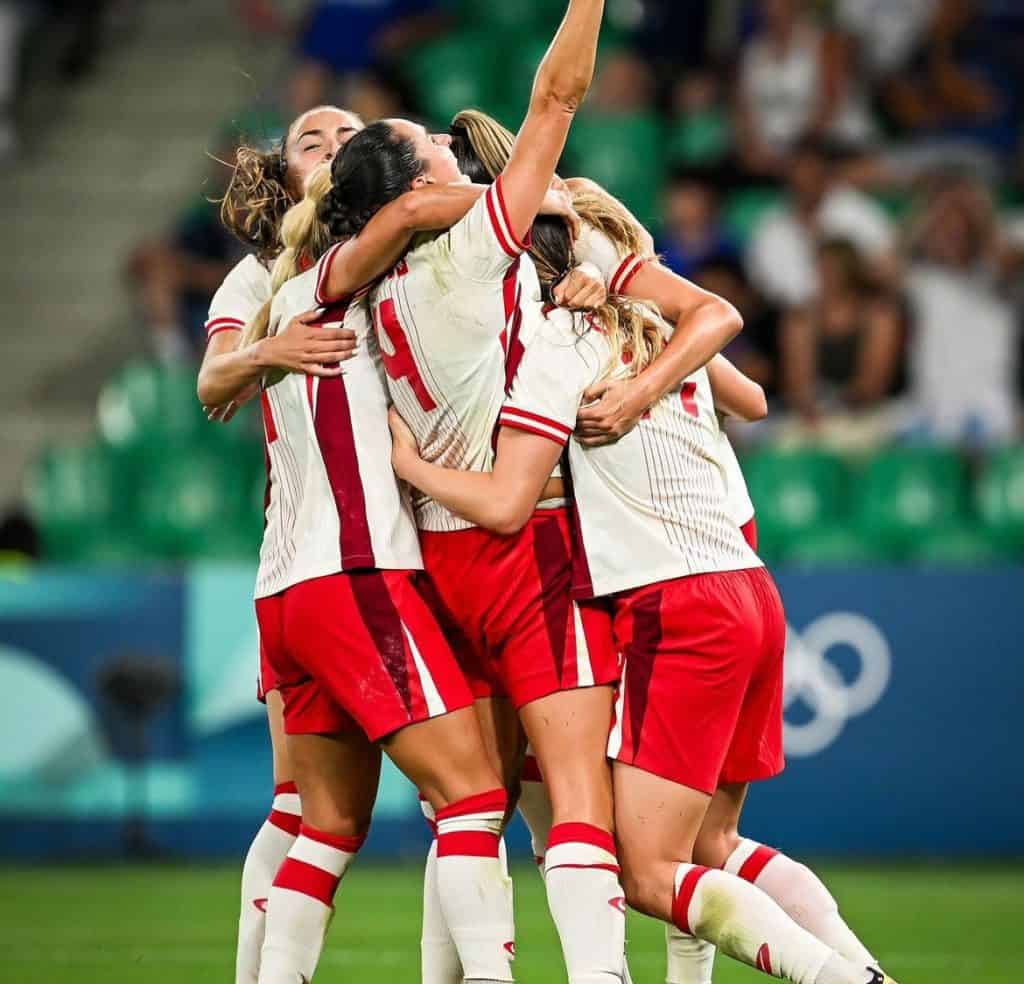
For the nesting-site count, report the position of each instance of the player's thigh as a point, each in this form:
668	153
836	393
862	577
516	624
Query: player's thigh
656	824
279	747
719	833
568	732
444	757
337	776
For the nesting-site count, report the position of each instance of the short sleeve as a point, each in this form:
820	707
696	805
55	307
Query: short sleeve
546	393
483	244
239	298
617	269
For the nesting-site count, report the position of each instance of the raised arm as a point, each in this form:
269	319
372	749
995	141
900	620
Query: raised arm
705	324
561	83
735	394
501	500
387	235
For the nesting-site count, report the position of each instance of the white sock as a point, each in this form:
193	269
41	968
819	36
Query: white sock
535	808
581	872
749	926
439	960
300	905
473	888
800	893
690	960
268	849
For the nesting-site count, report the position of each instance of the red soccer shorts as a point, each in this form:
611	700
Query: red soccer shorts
505	604
749	531
701	699
266	679
359	651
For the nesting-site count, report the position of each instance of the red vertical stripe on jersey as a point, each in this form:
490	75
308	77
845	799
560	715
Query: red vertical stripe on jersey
582	583
332	423
310	390
268	418
401	365
554	567
511	340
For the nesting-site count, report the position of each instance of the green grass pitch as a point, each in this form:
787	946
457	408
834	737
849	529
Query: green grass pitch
165	925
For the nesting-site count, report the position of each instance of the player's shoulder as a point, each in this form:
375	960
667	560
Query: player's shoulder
296	295
251	275
573	334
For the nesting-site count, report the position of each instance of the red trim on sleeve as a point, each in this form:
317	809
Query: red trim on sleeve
521	246
215	325
499	232
533	424
626	272
325	272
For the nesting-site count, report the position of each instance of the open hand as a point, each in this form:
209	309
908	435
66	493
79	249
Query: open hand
309	348
610	410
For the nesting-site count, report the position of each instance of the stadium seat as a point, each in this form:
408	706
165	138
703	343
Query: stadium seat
906	493
465	70
148	403
794	492
700	140
829	546
1000	499
72	493
512	18
625	154
959	545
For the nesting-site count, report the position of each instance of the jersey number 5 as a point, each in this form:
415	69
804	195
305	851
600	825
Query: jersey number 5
401	365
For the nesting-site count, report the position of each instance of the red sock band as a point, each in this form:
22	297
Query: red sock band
285	787
755	864
581	833
350	845
288	822
298	876
494	801
681	903
467	843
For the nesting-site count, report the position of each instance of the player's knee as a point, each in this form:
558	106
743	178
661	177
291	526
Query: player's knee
713	847
643	891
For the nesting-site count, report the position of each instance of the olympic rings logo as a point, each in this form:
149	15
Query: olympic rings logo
814	682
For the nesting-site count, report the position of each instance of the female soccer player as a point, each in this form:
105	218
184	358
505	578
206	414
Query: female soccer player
450	320
696	616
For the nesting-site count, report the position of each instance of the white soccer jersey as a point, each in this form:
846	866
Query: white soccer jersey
239	298
618	270
449	321
334	502
651	507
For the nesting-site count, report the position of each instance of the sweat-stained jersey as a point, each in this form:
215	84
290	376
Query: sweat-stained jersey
651	507
593	246
239	298
448	321
334	503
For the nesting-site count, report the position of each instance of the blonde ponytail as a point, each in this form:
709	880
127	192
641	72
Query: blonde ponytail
305	239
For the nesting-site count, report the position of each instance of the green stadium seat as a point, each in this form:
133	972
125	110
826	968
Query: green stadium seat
625	154
1000	499
959	545
464	70
905	494
702	139
512	19
829	546
794	492
72	491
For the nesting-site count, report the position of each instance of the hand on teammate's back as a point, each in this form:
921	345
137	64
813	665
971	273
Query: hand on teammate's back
610	409
310	348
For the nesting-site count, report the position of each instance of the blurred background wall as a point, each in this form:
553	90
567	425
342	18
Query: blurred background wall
849	173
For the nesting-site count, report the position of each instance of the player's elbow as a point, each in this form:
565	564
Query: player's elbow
205	389
558	96
412	211
758	404
509	514
729	318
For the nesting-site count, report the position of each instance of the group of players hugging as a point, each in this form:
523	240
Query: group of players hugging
508	545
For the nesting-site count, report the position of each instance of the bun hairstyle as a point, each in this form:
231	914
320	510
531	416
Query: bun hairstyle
257	199
305	239
636	330
375	167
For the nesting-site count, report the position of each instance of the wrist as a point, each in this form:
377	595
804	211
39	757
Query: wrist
261	354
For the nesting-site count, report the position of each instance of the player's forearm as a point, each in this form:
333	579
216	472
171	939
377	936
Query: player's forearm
565	74
477	497
735	393
223	376
699	336
437	207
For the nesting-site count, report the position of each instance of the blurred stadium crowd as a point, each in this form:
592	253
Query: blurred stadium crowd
849	173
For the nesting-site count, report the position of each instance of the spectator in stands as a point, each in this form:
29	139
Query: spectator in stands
176	274
756	350
624	84
346	38
693	232
794	84
843	351
781	255
965	342
701	124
